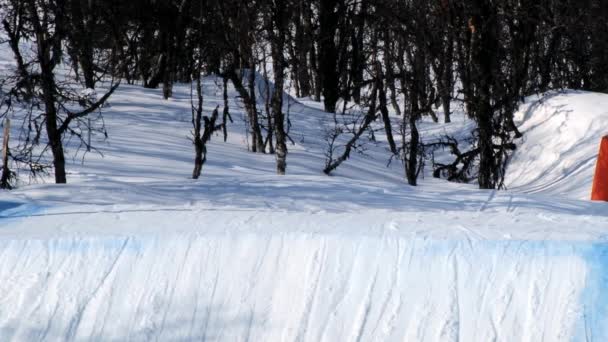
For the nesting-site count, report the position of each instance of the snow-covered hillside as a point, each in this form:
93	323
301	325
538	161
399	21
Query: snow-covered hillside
562	133
132	249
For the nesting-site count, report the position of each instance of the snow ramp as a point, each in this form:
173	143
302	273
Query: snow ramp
193	274
562	133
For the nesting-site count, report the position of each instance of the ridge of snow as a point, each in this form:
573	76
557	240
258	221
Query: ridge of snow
557	155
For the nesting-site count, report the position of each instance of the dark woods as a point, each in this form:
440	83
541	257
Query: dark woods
396	60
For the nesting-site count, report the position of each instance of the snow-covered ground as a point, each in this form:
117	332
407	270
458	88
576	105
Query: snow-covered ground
562	133
132	249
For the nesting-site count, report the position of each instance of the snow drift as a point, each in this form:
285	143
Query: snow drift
562	132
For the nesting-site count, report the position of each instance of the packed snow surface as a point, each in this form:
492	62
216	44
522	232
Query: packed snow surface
131	249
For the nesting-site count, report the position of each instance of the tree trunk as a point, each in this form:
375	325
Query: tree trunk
278	64
328	53
483	28
314	64
226	113
390	74
197	114
447	79
267	97
80	34
43	51
257	142
411	169
250	107
358	55
384	111
6	172
303	43
54	137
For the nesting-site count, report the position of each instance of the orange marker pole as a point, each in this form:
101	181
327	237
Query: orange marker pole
599	191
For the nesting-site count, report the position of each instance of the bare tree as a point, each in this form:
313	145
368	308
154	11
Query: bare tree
61	104
276	29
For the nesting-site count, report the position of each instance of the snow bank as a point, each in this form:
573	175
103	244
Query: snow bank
557	155
193	274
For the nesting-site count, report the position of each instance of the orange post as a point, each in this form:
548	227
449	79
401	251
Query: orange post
599	191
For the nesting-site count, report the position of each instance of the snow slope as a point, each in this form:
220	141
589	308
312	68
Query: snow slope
131	249
268	276
562	133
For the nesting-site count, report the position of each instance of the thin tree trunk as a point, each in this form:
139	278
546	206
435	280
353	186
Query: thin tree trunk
390	74
43	47
447	79
83	42
302	47
250	108
411	170
278	64
257	143
226	113
6	172
328	53
267	98
197	114
384	111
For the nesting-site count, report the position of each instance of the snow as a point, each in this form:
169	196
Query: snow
195	274
562	133
131	249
